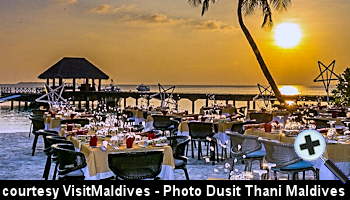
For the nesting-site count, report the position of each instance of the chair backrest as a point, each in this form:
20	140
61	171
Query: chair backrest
51	140
200	130
38	112
248	143
38	123
321	123
282	154
68	159
238	126
128	113
80	121
261	117
136	165
178	144
161	121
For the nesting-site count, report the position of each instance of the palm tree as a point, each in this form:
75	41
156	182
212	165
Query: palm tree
248	7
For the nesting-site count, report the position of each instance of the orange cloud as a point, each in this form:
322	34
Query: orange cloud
105	9
67	1
213	25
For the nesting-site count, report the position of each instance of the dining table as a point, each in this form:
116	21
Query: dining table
97	157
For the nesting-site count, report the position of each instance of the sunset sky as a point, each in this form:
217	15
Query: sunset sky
167	41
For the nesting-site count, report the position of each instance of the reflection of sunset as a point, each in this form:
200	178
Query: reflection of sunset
289	90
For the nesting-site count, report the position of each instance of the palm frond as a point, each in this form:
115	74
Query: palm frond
249	6
280	4
267	13
204	3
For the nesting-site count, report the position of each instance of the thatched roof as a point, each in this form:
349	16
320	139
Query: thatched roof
73	68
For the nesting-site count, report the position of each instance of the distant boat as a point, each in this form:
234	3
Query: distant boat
113	88
143	88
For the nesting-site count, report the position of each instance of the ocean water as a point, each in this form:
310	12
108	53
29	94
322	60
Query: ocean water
14	121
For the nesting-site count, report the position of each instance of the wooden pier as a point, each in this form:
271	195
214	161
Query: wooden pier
28	96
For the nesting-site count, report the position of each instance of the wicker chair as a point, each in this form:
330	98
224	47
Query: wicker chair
40	132
286	160
38	117
178	145
164	123
250	150
261	117
69	162
136	165
48	142
321	123
203	132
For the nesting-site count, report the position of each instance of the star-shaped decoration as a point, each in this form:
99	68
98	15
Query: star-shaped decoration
326	75
53	97
265	93
166	96
212	97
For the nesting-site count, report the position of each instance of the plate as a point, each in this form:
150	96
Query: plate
161	145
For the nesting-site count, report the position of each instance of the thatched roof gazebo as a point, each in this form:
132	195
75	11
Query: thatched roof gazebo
74	68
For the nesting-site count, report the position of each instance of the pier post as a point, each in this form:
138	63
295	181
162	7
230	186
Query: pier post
193	106
207	102
125	102
74	83
254	105
79	104
234	103
26	105
87	104
226	101
19	105
99	84
248	105
11	105
148	102
137	101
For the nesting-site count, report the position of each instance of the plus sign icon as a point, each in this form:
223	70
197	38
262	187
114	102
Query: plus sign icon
310	145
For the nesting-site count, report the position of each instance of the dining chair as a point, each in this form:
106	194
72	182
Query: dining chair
48	142
37	120
70	162
203	132
164	123
43	133
261	117
246	148
178	145
136	165
286	160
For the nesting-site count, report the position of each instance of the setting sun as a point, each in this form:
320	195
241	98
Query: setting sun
289	90
287	35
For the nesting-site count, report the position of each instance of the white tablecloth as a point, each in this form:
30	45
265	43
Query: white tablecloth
167	173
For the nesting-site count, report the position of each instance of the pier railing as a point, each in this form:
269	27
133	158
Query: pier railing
21	90
29	94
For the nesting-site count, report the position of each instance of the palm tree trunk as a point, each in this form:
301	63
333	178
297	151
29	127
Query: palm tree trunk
258	54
